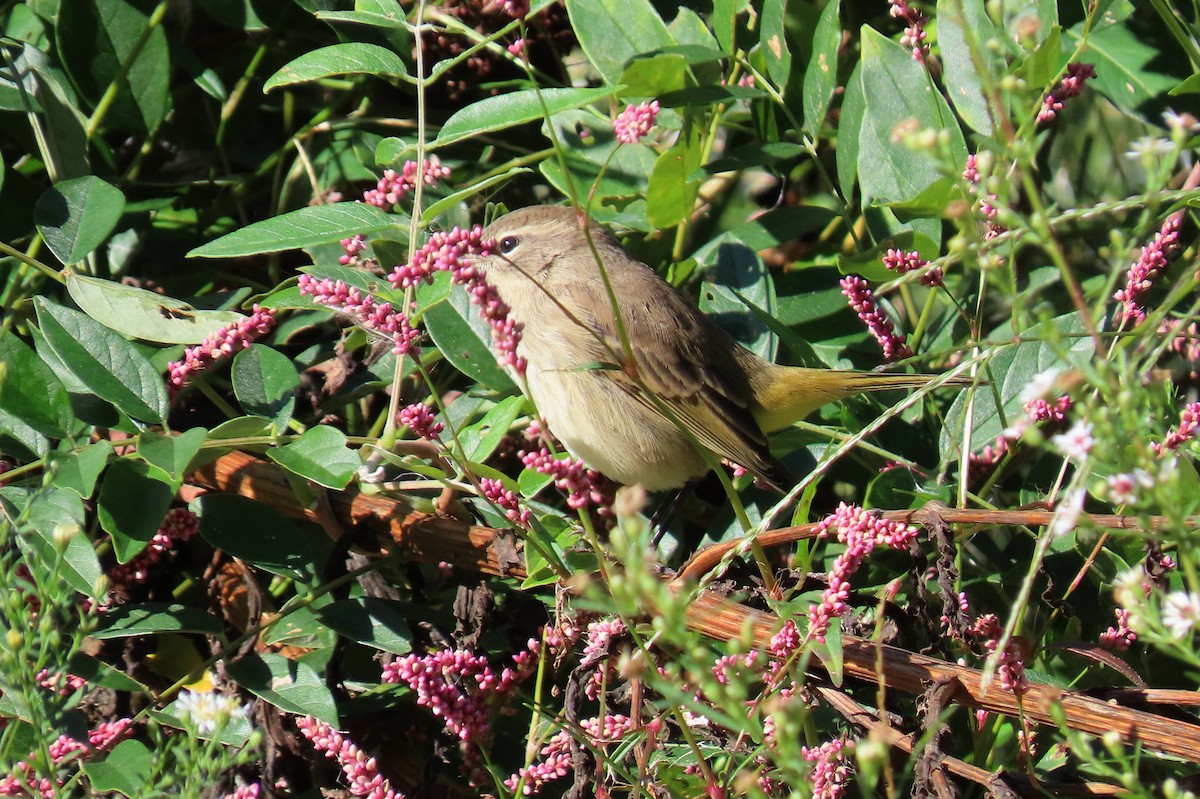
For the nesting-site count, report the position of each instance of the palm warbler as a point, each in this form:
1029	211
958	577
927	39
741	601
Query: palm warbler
639	415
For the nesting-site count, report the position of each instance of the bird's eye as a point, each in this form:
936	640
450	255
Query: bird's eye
508	244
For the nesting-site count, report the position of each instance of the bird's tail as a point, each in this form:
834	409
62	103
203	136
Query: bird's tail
788	393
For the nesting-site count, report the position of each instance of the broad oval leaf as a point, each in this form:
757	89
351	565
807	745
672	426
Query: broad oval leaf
76	216
155	618
126	770
304	227
30	391
289	685
132	504
275	545
613	32
347	58
378	623
320	455
52	512
143	314
265	383
455	327
172	454
111	367
820	76
514	108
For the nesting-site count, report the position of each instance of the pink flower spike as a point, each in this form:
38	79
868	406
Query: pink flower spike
1140	279
579	483
903	262
830	769
862	300
419	418
914	31
393	186
1070	86
218	346
1188	422
635	121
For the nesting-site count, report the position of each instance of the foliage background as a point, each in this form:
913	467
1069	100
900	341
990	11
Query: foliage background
163	166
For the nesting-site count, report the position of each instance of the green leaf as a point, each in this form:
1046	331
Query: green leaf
347	58
897	90
78	471
849	129
514	108
820	76
773	40
276	544
963	86
653	76
76	216
674	184
481	439
378	623
438	208
461	335
155	618
265	383
1040	66
304	227
54	513
132	504
740	280
289	685
143	314
30	391
170	453
613	32
65	135
1010	370
99	43
110	367
126	770
1125	65
320	455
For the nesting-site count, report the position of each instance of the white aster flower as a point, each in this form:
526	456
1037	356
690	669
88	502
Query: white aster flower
1066	514
1185	123
1076	443
1041	385
1180	612
208	710
1150	146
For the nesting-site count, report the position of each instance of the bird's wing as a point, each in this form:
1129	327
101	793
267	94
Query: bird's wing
710	399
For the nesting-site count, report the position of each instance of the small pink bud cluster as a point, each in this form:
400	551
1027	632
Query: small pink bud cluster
914	32
579	483
1070	86
352	247
782	647
64	684
597	652
903	262
23	781
514	8
249	791
373	315
1042	410
393	186
221	344
506	500
830	771
179	525
361	771
419	418
860	530
555	762
1011	670
462	689
1141	276
987	203
862	300
1119	638
1185	341
726	663
1188	421
635	121
445	251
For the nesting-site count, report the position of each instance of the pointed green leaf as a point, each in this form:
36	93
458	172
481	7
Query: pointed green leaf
820	76
320	455
143	314
31	392
347	58
76	216
170	453
265	383
132	504
107	364
79	470
304	227
614	32
514	108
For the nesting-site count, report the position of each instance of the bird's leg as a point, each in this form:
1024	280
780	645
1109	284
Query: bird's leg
667	511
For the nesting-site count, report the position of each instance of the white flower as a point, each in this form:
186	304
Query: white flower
1041	385
1122	488
1149	146
1066	515
208	710
1181	122
1180	612
1077	442
1129	589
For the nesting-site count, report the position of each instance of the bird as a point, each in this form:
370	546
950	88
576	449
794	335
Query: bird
642	415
